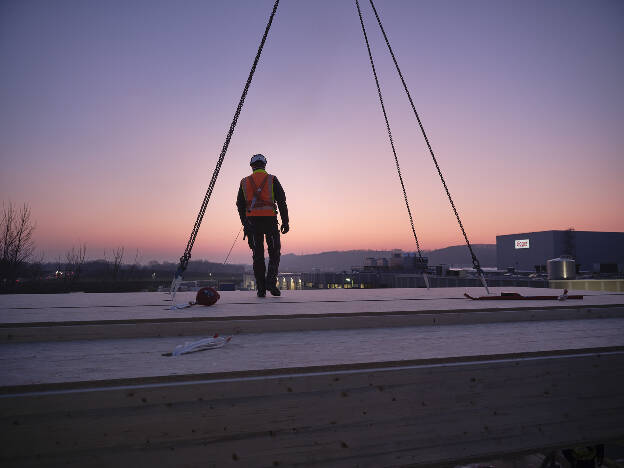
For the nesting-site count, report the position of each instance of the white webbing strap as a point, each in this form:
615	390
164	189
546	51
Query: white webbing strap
487	290
201	345
175	285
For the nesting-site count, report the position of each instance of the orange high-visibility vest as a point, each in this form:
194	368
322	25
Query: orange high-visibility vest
259	197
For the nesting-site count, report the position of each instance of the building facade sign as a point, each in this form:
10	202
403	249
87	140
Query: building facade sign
522	243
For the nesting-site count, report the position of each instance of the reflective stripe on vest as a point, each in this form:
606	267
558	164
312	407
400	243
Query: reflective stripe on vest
258	190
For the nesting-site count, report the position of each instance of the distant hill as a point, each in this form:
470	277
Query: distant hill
457	255
329	261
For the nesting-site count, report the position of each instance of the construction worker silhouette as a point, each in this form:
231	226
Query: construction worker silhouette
259	196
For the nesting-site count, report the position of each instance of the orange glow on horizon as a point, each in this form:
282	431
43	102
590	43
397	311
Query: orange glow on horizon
112	130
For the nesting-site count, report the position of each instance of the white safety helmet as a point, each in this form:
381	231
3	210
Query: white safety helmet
257	158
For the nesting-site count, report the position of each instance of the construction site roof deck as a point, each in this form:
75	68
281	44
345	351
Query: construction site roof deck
328	377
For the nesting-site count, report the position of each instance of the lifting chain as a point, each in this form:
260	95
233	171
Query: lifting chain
184	260
383	108
475	260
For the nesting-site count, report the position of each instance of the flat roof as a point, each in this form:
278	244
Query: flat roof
85	307
108	356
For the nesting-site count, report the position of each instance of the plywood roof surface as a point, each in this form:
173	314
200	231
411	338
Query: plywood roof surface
123	306
49	362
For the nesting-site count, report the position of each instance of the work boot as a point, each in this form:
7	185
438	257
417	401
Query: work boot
275	291
261	293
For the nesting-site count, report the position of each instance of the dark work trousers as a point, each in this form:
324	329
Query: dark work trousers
264	226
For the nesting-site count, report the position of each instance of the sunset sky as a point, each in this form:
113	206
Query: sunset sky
113	114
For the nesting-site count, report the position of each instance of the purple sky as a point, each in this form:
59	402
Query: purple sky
113	114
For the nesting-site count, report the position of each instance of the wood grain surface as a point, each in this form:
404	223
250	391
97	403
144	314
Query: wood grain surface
314	378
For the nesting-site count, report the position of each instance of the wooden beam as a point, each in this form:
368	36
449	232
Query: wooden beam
194	326
423	412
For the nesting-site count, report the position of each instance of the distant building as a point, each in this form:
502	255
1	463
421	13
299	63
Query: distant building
355	279
412	262
399	261
372	263
396	260
593	251
290	281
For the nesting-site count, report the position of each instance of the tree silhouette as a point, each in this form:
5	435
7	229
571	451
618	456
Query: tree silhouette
16	241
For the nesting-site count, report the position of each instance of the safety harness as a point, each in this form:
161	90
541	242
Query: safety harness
257	202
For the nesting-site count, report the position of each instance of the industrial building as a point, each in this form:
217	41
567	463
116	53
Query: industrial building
599	252
399	261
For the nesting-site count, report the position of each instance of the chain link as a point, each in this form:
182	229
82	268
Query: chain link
189	246
475	261
383	108
187	252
